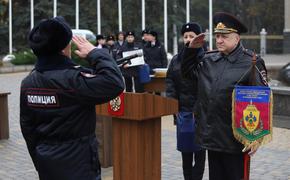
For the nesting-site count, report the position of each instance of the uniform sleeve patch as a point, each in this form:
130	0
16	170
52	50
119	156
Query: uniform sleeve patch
88	75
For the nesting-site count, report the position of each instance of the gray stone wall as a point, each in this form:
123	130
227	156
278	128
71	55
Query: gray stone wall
286	43
281	101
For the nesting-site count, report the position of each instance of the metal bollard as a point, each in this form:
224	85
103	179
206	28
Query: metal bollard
263	43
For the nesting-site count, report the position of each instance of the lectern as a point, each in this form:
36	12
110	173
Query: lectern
137	135
4	119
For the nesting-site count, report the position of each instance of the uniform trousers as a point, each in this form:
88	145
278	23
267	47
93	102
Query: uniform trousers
225	166
190	171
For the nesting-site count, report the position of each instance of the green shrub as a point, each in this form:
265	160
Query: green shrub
27	57
24	58
77	59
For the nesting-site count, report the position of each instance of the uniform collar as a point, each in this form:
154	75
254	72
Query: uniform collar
53	62
235	54
216	56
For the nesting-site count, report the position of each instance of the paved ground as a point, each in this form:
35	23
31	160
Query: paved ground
272	162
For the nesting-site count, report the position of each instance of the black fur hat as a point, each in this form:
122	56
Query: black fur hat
191	27
152	32
50	36
130	33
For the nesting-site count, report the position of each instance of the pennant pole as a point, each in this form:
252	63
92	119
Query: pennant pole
247	157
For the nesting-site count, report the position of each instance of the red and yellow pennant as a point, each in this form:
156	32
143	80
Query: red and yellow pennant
252	114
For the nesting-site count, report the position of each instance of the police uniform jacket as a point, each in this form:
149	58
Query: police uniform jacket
131	71
57	113
217	75
113	51
155	55
183	90
118	47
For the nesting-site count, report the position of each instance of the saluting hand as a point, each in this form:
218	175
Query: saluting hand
198	41
83	45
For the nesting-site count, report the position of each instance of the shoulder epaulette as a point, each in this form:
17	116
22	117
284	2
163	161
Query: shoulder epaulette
249	52
76	67
212	51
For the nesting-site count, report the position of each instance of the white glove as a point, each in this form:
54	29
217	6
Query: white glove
252	148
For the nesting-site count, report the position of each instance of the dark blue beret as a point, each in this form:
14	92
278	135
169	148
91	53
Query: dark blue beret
227	23
191	27
50	36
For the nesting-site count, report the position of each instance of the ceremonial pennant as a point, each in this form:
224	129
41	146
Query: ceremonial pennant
252	114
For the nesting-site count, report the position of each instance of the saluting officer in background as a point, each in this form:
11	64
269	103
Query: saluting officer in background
217	73
185	91
57	102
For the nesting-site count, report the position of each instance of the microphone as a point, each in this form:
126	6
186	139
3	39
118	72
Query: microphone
127	59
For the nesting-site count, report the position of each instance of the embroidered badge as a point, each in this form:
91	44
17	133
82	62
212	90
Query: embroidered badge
42	99
115	104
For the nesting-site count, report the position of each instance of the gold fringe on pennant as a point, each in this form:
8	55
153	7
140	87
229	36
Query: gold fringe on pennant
263	140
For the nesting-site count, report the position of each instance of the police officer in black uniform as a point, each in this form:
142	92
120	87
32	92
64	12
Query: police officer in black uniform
217	73
131	73
100	41
154	52
57	103
120	41
145	36
111	46
185	91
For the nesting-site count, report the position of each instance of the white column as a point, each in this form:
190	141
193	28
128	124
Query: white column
120	14
10	26
187	11
286	34
77	14
165	25
210	25
54	8
99	16
263	42
287	16
31	14
143	14
175	43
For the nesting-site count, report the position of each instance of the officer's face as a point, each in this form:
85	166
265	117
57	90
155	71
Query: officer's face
151	38
110	42
102	41
121	37
146	37
188	36
130	38
226	43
